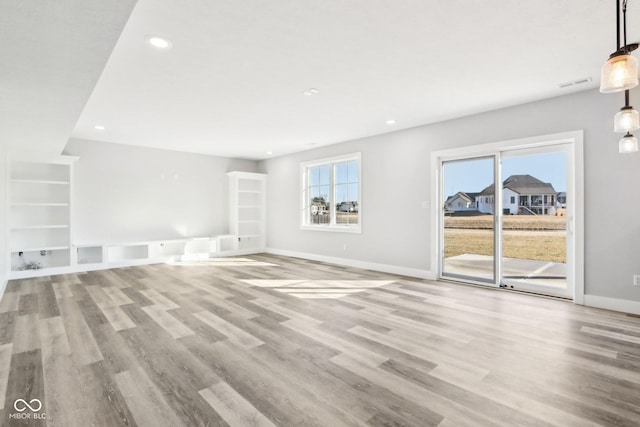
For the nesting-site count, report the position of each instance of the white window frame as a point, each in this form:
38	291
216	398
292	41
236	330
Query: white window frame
332	226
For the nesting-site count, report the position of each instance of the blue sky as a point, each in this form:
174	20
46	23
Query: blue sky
474	175
346	180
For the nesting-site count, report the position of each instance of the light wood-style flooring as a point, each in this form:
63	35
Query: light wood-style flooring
275	341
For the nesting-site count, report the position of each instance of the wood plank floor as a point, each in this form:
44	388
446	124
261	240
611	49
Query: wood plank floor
275	341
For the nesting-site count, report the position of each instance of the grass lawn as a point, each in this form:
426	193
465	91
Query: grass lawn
346	217
525	237
509	222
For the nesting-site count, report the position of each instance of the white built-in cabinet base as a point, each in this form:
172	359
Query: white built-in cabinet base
89	257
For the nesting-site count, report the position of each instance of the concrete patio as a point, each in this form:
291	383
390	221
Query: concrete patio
531	272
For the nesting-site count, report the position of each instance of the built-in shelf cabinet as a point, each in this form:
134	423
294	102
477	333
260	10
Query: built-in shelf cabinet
89	255
246	212
40	224
39	193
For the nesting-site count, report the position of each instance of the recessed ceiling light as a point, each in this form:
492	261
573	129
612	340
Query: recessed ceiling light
269	153
98	127
310	92
391	122
158	42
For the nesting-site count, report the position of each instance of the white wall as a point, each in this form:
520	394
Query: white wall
395	179
4	254
123	193
396	172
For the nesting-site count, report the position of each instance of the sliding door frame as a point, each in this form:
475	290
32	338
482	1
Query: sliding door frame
575	192
543	288
497	242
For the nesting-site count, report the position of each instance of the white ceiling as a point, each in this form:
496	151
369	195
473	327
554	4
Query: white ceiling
51	56
233	82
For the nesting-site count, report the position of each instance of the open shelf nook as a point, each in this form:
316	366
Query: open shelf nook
246	213
39	195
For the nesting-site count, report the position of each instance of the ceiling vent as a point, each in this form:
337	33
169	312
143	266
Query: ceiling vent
574	82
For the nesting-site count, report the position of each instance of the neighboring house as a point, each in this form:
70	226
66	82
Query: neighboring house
521	195
461	202
348	207
561	198
319	207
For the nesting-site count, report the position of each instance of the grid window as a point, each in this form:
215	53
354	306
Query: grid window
331	194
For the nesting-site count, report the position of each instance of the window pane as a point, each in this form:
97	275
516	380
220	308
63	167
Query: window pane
352	193
325	174
353	171
324	193
353	197
346	213
341	193
349	218
314	192
346	209
341	173
318	208
314	176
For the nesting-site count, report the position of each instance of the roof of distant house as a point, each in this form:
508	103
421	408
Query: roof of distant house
460	194
523	184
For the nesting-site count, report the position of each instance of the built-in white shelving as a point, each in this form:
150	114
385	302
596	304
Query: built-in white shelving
39	192
247	203
40	224
89	255
111	255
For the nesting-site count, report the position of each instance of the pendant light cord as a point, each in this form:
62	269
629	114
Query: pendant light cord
617	25
626	99
624	24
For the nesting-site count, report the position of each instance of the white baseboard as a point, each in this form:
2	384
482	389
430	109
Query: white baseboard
385	268
614	304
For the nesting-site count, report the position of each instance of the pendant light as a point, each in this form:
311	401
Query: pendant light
620	72
628	144
627	119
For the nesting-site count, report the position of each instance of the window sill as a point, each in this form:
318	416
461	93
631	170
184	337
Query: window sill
332	228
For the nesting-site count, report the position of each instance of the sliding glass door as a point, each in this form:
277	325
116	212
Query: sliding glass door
468	238
534	222
516	233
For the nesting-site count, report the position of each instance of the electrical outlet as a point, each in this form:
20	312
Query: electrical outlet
636	280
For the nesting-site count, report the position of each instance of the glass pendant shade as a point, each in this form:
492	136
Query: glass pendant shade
627	120
619	73
628	144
